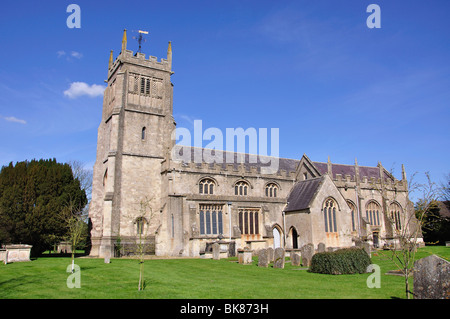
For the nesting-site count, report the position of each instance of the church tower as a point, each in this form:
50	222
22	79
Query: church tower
134	141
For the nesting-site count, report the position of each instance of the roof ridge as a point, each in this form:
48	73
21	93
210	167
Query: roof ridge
212	149
351	165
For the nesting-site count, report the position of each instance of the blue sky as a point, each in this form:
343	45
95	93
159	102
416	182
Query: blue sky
313	69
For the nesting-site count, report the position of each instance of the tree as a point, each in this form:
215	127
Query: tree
407	227
436	227
404	250
32	196
84	176
76	227
142	221
446	188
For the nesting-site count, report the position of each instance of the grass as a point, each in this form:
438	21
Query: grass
46	278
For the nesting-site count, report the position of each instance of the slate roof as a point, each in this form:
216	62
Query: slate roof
349	170
302	194
287	164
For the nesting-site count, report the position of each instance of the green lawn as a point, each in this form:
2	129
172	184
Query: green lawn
193	278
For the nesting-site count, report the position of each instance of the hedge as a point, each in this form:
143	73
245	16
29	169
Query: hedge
342	261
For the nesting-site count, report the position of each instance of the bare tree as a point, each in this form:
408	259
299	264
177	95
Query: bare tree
405	257
72	215
405	237
142	222
84	176
446	188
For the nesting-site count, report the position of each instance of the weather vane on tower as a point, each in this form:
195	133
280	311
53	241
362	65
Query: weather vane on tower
140	38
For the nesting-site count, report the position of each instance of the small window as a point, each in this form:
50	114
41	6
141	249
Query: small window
142	85
140	223
147	87
271	190
241	188
143	133
206	186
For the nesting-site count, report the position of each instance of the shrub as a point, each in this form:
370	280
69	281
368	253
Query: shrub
342	261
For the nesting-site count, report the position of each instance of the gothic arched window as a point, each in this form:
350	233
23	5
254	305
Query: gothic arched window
140	224
206	186
271	190
396	214
241	188
373	210
329	215
353	209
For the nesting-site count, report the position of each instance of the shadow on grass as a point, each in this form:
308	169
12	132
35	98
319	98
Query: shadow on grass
59	255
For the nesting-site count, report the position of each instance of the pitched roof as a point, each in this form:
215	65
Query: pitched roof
197	156
350	170
302	194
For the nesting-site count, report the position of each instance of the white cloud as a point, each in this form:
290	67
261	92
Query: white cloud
14	119
60	53
73	54
76	54
80	88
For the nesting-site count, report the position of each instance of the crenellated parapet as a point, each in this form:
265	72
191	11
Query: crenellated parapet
139	59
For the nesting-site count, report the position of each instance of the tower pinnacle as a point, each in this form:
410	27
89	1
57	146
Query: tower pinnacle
169	54
124	40
110	59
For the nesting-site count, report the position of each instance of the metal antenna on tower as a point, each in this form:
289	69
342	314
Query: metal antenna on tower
140	38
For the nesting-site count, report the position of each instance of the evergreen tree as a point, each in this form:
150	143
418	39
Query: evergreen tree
33	195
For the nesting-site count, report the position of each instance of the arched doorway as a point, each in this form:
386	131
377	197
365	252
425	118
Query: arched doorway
276	238
294	238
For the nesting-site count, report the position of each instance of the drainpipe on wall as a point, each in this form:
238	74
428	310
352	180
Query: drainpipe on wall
284	230
229	216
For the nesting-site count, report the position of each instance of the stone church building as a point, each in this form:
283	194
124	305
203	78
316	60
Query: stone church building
140	189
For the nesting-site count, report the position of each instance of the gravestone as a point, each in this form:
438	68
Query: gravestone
295	259
321	248
240	256
247	260
307	252
263	258
216	251
270	253
232	249
278	258
432	278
